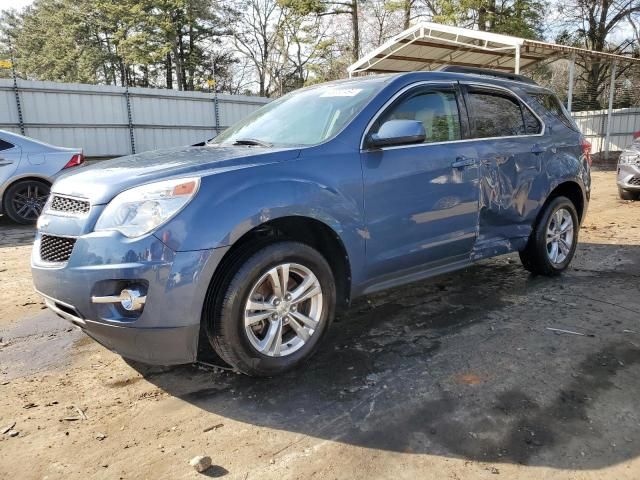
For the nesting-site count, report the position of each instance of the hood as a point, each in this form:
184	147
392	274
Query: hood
102	181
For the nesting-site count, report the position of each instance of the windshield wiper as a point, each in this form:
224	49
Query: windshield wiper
252	141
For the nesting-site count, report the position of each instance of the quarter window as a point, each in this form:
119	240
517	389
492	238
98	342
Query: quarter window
5	145
553	106
437	111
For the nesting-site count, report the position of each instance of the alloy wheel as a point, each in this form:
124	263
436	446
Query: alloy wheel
559	236
29	201
283	310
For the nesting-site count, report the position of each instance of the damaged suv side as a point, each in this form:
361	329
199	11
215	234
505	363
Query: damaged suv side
250	243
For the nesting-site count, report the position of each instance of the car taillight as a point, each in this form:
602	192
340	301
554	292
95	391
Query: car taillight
586	150
636	135
77	159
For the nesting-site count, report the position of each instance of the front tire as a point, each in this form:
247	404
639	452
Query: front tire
25	199
272	309
554	239
626	194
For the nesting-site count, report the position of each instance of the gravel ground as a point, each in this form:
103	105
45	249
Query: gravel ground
457	377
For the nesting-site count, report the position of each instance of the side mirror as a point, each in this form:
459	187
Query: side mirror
398	132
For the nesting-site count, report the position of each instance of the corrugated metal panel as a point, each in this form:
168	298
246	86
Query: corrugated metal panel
593	124
94	117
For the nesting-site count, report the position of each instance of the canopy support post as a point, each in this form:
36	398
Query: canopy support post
517	65
612	87
572	68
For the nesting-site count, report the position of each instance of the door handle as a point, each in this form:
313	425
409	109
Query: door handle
4	162
537	149
462	162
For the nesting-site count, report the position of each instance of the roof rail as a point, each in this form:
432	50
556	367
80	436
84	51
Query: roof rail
487	72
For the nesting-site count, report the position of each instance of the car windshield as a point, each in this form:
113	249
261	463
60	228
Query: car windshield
305	117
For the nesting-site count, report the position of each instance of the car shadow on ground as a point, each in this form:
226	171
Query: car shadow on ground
14	235
464	366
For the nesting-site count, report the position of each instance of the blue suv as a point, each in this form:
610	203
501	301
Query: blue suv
250	243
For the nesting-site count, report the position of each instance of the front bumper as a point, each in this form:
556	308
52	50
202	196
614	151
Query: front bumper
629	177
166	330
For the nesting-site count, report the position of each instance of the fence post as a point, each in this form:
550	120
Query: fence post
572	68
130	117
612	87
216	111
17	94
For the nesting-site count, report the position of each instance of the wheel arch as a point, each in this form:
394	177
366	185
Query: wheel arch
310	231
573	191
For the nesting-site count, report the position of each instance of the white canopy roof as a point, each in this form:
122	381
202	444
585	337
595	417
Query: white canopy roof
427	46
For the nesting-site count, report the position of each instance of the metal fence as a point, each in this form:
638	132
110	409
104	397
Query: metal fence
593	124
110	121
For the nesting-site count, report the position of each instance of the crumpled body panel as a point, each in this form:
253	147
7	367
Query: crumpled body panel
515	186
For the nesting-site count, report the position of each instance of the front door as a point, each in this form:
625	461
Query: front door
421	201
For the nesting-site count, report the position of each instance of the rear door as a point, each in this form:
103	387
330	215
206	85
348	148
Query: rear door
421	200
9	159
511	150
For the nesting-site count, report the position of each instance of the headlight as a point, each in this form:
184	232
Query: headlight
627	158
142	209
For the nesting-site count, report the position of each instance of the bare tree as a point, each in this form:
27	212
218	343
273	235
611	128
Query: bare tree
593	23
257	35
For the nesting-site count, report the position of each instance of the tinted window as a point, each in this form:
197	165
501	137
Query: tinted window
554	108
438	112
5	145
531	123
496	115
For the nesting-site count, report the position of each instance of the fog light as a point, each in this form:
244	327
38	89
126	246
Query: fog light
131	299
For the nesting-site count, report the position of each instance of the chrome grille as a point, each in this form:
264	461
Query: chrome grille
69	205
634	181
56	249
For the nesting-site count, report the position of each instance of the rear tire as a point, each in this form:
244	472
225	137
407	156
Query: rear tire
626	194
262	324
553	242
25	199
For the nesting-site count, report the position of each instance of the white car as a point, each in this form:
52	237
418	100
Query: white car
27	168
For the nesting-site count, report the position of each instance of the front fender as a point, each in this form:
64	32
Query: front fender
228	206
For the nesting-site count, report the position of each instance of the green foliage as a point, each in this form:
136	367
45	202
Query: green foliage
120	41
520	18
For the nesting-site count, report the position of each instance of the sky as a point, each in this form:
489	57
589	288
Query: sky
17	4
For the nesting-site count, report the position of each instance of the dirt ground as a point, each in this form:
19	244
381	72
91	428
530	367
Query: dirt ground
457	377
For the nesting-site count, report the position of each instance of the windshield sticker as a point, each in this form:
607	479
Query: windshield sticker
346	92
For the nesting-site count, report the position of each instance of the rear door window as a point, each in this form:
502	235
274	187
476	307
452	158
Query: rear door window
532	125
437	110
495	114
4	145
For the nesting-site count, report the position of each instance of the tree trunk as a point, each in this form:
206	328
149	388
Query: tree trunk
123	74
356	30
178	62
190	66
407	13
183	69
261	81
169	72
